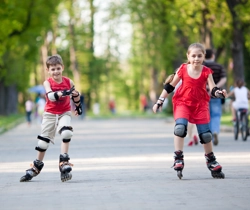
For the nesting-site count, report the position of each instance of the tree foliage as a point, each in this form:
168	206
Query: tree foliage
157	32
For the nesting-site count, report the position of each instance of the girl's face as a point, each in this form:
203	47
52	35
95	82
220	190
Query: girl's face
55	72
195	56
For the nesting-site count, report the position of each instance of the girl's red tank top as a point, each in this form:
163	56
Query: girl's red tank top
191	99
63	104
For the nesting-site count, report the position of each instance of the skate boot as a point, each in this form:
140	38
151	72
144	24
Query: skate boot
65	167
214	166
35	169
178	163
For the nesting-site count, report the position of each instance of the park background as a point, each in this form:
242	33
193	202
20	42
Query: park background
115	49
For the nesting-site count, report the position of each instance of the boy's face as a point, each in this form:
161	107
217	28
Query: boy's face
55	72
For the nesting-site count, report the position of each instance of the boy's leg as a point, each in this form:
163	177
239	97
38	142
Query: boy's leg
66	132
47	134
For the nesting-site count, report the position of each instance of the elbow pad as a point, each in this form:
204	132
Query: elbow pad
169	88
53	96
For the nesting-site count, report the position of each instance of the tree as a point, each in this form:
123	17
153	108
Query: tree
21	25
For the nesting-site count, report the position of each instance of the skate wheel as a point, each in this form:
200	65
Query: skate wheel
179	174
66	176
26	178
218	175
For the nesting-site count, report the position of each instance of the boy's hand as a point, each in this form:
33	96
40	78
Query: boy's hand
157	107
68	92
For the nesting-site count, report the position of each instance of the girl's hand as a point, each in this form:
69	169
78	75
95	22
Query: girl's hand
221	93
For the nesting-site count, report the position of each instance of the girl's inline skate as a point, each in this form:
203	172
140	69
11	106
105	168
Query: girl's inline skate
178	163
214	166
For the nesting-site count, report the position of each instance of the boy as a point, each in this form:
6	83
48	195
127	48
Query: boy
56	117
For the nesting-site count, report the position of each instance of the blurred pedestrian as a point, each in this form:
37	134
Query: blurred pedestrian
29	108
40	108
215	104
144	102
242	95
112	106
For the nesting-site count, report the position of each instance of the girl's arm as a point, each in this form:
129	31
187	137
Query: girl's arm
168	88
215	91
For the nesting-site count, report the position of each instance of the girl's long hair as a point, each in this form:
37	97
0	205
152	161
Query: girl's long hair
169	79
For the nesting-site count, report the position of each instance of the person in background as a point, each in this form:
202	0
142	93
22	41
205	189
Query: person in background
28	108
144	102
241	94
82	100
191	132
40	108
215	104
112	106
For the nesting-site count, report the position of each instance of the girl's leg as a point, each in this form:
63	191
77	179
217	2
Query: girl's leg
178	143
212	164
180	132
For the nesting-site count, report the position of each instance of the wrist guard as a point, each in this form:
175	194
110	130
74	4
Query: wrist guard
159	105
169	88
79	109
214	91
68	92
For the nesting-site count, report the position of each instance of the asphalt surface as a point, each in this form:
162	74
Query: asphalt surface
123	164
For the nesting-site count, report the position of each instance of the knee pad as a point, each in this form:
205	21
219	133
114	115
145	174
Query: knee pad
180	130
205	137
43	143
66	133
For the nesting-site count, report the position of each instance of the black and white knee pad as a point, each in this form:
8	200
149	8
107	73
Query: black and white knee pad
205	137
180	130
66	133
43	143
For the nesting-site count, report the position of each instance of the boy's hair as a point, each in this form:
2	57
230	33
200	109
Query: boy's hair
54	60
239	82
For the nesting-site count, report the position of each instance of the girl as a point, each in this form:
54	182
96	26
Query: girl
191	103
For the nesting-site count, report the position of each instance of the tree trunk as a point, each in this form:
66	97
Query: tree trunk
238	41
8	99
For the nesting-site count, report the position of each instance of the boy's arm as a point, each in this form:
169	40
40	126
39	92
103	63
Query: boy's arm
54	96
76	99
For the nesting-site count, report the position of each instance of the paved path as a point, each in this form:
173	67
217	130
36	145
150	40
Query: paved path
122	165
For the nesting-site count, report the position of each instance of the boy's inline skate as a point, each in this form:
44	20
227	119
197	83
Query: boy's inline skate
65	167
178	163
214	166
35	169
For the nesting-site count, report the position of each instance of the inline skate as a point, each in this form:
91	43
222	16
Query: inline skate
178	163
214	166
35	169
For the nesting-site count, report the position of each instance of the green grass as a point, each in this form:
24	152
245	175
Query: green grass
8	122
226	119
